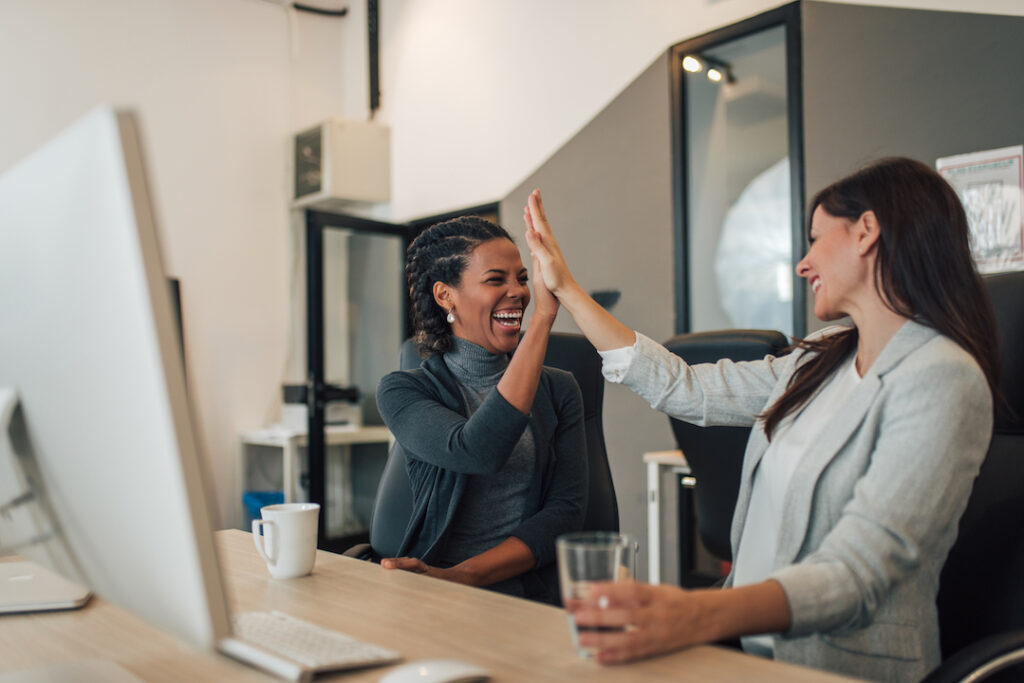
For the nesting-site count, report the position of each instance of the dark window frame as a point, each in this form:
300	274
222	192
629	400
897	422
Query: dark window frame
316	223
789	17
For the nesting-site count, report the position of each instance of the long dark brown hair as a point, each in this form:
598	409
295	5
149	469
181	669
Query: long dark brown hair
923	271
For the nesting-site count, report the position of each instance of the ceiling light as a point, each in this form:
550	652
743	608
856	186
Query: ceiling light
718	70
692	64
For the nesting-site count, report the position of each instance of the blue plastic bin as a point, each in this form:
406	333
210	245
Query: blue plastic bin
254	500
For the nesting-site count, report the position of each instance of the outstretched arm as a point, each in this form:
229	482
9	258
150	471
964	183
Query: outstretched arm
665	618
519	383
603	330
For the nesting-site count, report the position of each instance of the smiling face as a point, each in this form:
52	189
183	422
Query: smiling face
490	298
833	266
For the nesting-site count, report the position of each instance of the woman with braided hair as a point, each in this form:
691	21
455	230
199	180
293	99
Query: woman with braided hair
493	441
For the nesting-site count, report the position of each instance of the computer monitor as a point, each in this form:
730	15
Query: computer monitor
100	474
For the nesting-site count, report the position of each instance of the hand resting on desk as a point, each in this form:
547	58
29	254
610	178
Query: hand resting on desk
509	558
411	564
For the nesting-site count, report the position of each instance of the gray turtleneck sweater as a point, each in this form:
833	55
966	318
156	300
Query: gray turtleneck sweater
493	504
466	447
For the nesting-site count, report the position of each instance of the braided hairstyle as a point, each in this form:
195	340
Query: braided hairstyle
440	254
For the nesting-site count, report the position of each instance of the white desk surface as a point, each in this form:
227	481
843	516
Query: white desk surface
674	458
420	617
334	435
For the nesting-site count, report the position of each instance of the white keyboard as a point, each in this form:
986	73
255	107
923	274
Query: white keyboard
314	648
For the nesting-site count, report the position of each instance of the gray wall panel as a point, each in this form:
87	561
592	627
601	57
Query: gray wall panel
882	81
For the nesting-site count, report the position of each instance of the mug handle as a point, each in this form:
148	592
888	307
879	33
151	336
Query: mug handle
269	554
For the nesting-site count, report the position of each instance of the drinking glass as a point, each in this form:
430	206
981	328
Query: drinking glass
588	557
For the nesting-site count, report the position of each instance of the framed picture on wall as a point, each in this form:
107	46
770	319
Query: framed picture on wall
991	188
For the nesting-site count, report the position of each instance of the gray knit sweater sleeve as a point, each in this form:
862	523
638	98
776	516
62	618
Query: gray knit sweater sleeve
565	504
434	433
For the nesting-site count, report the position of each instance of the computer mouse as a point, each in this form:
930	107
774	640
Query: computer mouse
437	671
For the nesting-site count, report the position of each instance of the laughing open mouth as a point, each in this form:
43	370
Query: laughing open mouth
511	320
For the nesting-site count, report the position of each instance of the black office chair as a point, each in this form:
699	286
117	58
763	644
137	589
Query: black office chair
574	353
981	588
571	352
999	658
715	454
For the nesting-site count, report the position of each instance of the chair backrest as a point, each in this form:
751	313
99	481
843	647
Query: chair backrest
715	454
393	504
572	352
981	589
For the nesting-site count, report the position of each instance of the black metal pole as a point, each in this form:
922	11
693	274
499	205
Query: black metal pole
315	369
797	175
680	198
372	28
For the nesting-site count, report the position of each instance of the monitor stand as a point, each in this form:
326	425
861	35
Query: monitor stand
27	526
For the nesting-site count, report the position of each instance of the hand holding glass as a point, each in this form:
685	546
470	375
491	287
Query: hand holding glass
589	557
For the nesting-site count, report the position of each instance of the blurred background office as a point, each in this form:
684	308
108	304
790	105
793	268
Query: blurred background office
483	101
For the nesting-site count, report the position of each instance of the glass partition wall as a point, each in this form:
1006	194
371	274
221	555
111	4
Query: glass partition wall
355	325
739	187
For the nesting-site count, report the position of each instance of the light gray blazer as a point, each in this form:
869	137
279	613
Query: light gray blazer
872	510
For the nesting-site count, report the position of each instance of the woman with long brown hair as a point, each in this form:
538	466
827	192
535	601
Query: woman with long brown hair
865	439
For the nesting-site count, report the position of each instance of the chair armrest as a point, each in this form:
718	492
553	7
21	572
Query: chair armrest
362	551
980	660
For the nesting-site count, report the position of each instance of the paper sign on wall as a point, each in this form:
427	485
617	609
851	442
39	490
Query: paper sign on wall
991	188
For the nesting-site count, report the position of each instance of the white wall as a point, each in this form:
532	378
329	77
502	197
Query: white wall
479	94
211	82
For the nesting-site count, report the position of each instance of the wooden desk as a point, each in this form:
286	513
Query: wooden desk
420	617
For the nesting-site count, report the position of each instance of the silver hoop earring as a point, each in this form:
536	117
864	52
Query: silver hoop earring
451	317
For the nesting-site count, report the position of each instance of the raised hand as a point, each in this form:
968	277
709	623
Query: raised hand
543	246
600	327
545	303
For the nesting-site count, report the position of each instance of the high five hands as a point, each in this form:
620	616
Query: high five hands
600	327
544	249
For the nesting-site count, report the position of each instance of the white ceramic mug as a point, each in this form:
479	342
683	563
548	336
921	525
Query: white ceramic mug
288	543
